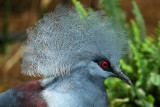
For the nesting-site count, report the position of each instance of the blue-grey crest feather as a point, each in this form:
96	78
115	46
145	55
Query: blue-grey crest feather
61	39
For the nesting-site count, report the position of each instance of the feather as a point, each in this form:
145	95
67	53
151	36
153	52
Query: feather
61	39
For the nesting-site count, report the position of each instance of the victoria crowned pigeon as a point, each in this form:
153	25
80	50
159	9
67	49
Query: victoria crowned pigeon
74	55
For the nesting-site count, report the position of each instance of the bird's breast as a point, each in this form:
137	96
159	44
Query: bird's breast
72	95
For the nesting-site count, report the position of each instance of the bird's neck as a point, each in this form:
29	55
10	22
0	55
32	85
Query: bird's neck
78	78
83	76
75	89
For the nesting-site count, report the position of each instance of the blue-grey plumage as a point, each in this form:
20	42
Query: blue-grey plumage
76	55
77	89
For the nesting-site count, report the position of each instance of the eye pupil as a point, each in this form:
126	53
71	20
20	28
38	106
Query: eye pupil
104	64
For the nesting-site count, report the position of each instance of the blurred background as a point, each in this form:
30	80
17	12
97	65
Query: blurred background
138	17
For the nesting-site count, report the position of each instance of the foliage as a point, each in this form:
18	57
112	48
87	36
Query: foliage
139	20
81	11
112	7
142	64
143	68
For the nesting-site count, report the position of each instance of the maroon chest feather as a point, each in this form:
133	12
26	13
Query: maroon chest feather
29	94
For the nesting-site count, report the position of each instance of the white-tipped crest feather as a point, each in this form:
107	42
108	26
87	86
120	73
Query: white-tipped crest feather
61	39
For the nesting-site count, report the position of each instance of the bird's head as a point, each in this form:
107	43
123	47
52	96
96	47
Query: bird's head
104	68
60	40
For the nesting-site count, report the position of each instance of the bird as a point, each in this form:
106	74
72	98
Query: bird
74	55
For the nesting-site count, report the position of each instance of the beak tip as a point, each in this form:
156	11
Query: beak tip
129	83
123	77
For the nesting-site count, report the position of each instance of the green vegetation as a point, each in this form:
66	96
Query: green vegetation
112	7
79	8
143	68
142	64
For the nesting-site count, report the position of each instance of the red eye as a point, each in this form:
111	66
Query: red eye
104	64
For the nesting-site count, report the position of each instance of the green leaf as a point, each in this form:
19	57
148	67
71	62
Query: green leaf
140	93
137	56
139	20
112	8
126	67
155	78
79	7
150	99
119	101
136	33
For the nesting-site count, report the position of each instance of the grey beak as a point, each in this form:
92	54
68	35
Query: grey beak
122	77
